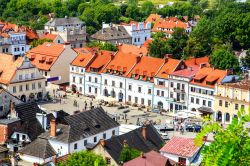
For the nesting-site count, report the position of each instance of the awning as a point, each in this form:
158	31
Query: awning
205	110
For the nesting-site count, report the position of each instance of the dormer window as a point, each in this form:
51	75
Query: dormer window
133	75
141	77
108	71
115	71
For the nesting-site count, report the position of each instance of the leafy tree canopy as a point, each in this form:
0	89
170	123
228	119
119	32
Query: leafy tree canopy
38	42
128	153
103	46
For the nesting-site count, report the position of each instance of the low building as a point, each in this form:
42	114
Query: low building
71	29
151	158
230	98
132	49
53	61
114	34
21	78
153	18
83	130
181	150
55	38
144	139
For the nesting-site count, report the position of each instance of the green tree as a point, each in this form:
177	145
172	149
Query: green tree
108	46
246	60
84	158
133	12
231	146
38	42
146	8
128	153
159	47
223	59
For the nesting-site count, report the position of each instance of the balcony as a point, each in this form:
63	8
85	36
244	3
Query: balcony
179	90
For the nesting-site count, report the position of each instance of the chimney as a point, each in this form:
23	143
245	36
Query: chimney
138	59
54	159
66	45
142	155
102	142
112	56
12	109
144	132
53	128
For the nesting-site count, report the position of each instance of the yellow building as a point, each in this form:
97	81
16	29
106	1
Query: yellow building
230	98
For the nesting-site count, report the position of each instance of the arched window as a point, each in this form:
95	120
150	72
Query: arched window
219	116
105	92
113	93
227	117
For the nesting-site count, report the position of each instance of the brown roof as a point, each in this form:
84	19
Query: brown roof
45	55
151	158
244	84
8	67
179	146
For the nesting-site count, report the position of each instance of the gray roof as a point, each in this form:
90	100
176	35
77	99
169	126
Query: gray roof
39	148
111	33
8	121
3	149
83	125
64	21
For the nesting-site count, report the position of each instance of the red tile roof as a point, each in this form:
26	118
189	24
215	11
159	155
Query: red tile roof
8	67
100	60
208	77
49	36
168	23
168	68
151	158
84	56
197	61
129	48
45	55
147	42
153	18
122	62
147	67
179	146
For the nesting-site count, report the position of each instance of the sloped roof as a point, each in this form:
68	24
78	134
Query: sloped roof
8	67
153	18
49	36
64	21
135	140
168	68
44	56
83	125
168	23
129	48
180	146
111	33
40	148
151	158
84	56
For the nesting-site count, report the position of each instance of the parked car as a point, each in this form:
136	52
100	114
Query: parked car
156	110
193	128
164	136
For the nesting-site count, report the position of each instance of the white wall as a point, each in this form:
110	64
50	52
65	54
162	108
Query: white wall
33	159
14	136
61	148
174	157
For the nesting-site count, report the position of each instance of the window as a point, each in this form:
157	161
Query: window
104	135
171	95
95	80
113	83
23	137
120	84
192	89
138	39
129	98
149	91
149	102
178	86
136	100
74	79
197	101
89	89
242	107
204	102
20	88
139	89
89	79
72	68
142	101
85	142
95	90
20	77
58	41
108	160
171	84
22	48
209	104
32	75
80	89
158	92
39	85
14	89
1	108
145	38
220	102
161	83
27	87
226	104
75	146
129	87
182	86
182	161
236	106
95	139
135	40
105	82
113	132
192	100
162	93
45	73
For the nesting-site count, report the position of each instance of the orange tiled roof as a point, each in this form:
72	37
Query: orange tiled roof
147	42
129	48
209	77
122	62
49	36
146	67
84	56
168	68
153	18
168	23
45	55
30	34
197	61
101	59
8	67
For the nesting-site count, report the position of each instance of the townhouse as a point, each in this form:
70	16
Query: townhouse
71	29
53	61
230	98
55	38
21	78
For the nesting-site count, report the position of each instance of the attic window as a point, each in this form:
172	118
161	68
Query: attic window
49	61
42	60
32	57
148	78
141	77
82	59
97	126
87	129
108	71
